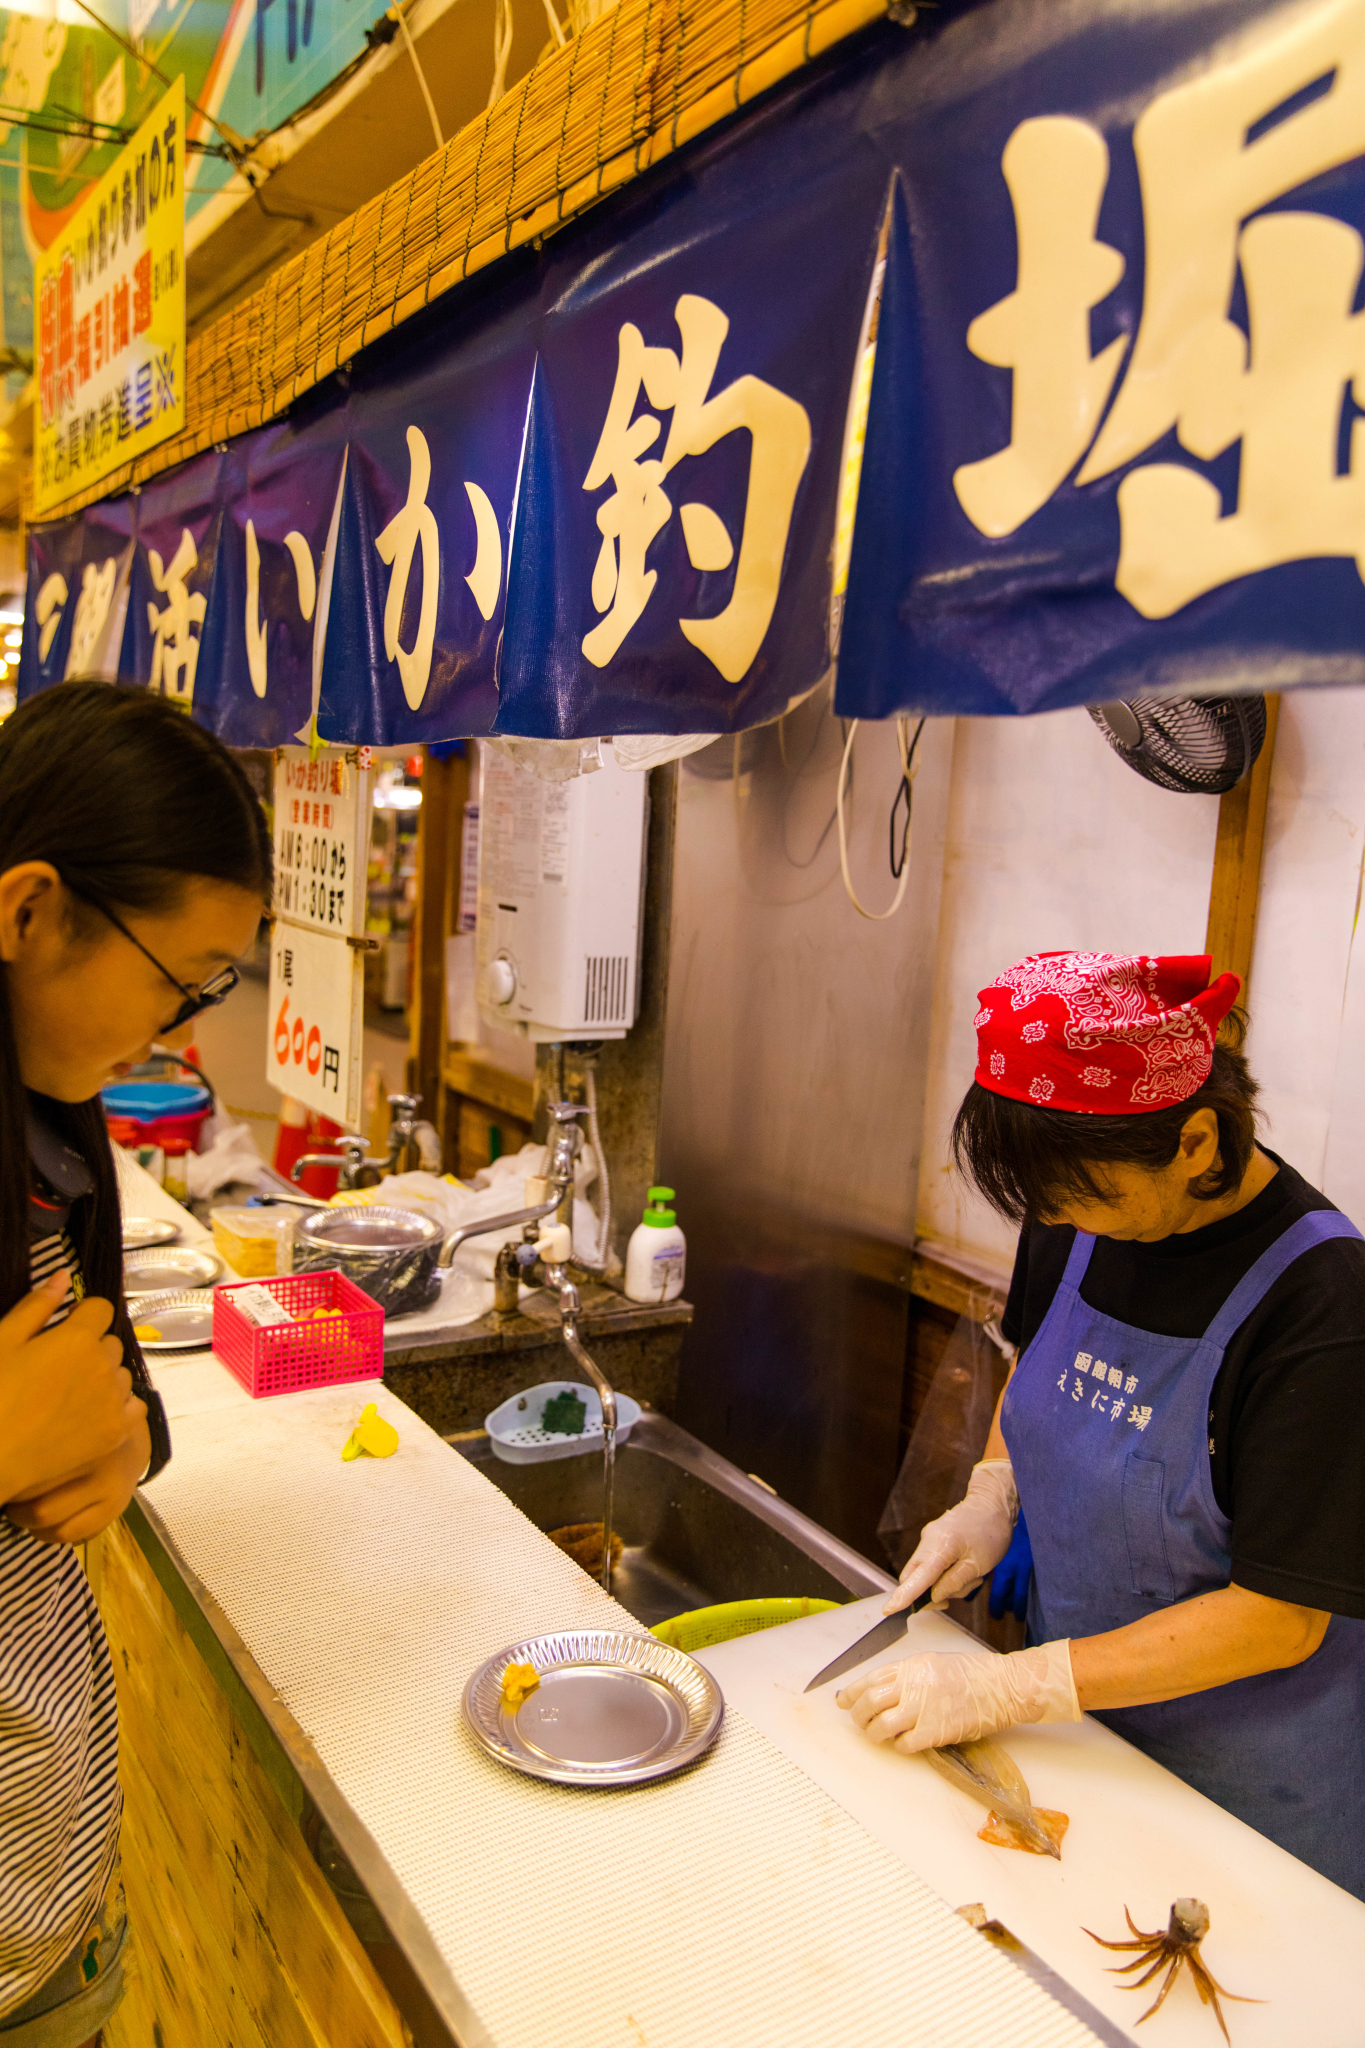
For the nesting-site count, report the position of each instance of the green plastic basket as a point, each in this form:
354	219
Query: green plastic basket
707	1625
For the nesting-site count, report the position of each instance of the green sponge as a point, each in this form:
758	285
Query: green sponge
564	1414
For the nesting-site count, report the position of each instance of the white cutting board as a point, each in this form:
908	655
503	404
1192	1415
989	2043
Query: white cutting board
1138	1837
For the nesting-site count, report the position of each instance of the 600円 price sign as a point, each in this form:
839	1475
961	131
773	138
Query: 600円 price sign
316	1021
324	808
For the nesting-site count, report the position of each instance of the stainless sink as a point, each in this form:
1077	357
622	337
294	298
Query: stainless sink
695	1528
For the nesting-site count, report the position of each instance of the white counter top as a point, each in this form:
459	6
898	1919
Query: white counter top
784	1892
1139	1837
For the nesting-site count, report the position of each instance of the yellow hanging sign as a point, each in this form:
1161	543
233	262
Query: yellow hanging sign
109	316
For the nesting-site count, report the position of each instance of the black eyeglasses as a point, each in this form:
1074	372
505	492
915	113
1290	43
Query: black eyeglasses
215	990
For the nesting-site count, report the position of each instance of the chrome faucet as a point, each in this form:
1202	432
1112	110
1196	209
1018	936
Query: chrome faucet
565	1146
351	1157
553	1248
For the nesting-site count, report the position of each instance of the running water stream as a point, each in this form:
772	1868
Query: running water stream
608	1492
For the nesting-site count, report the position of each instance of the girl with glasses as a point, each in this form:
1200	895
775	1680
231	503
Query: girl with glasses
135	864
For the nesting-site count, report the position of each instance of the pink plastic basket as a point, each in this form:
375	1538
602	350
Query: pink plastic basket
284	1358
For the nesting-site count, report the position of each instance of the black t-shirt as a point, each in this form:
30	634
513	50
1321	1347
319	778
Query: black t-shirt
1287	1415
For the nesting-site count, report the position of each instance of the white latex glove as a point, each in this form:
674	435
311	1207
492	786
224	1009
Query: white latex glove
947	1697
955	1553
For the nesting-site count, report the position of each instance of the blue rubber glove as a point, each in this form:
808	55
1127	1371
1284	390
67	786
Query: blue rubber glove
1012	1577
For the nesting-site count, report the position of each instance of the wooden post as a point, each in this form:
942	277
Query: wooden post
445	786
1236	887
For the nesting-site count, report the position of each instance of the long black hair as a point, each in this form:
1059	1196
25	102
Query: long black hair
1028	1160
127	798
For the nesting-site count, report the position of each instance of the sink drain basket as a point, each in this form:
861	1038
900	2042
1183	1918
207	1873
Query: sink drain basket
518	1437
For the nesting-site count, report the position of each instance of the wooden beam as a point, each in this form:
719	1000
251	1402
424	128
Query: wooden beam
1236	888
483	1082
445	786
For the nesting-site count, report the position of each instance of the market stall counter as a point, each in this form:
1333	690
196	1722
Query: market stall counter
317	1851
292	1634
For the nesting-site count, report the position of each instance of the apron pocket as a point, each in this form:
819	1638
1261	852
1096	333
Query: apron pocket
1143	1530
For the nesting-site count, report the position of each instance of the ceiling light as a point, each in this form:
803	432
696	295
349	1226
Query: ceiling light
13	639
397	799
11	618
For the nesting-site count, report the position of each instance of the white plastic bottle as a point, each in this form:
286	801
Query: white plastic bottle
656	1256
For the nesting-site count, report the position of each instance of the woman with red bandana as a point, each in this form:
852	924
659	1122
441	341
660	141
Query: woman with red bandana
1184	1431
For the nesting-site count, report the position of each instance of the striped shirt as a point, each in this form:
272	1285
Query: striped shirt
60	1802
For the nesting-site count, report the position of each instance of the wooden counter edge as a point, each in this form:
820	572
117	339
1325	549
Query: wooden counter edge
293	1766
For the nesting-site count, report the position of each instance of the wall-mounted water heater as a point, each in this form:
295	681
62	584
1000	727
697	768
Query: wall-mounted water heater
561	887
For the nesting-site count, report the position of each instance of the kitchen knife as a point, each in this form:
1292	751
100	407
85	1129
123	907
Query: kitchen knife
887	1631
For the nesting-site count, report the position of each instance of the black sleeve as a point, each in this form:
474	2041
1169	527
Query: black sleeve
158	1427
1012	1321
1294	1416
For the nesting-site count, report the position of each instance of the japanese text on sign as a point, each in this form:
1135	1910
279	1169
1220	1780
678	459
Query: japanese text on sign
315	1025
109	316
1215	158
639	508
322	840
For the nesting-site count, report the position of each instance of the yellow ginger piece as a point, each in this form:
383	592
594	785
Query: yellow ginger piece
519	1681
372	1435
146	1333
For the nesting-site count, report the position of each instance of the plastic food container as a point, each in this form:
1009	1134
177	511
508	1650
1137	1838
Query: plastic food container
254	1242
150	1112
284	1358
517	1437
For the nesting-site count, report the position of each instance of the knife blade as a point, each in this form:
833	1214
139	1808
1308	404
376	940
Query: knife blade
887	1631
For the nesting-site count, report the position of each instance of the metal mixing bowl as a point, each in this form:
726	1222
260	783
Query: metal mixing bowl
391	1253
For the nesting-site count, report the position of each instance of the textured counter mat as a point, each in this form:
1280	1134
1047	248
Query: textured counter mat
734	1906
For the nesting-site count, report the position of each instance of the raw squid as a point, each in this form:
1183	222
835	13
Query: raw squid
989	1774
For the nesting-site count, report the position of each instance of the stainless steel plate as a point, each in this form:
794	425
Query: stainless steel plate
141	1231
610	1709
185	1319
170	1267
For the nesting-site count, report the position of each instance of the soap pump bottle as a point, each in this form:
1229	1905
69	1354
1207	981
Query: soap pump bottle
657	1252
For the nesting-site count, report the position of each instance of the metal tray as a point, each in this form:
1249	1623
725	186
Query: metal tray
184	1318
611	1708
168	1268
141	1231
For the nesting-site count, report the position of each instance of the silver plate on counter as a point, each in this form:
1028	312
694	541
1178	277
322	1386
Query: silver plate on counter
170	1267
141	1231
610	1709
185	1319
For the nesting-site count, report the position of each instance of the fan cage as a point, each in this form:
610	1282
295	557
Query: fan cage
1195	745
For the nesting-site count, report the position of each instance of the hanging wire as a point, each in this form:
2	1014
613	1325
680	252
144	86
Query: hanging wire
406	33
898	861
907	749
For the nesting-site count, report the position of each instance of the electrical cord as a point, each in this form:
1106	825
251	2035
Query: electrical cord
599	1264
902	874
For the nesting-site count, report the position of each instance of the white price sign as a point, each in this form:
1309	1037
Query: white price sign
316	1021
323	812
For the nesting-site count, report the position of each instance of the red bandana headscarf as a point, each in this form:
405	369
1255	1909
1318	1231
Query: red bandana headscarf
1105	1033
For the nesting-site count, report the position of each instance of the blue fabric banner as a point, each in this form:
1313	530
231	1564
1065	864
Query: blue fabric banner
1077	288
1110	439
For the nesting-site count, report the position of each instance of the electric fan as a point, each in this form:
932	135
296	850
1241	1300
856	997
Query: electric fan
1198	745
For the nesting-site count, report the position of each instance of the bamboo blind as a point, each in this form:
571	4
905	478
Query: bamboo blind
639	82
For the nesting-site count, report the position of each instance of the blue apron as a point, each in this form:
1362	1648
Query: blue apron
1107	1430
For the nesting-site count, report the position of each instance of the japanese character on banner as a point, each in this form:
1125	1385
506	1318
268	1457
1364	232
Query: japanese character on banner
1213	154
175	650
1140	1416
416	523
257	628
93	600
47	610
639	508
